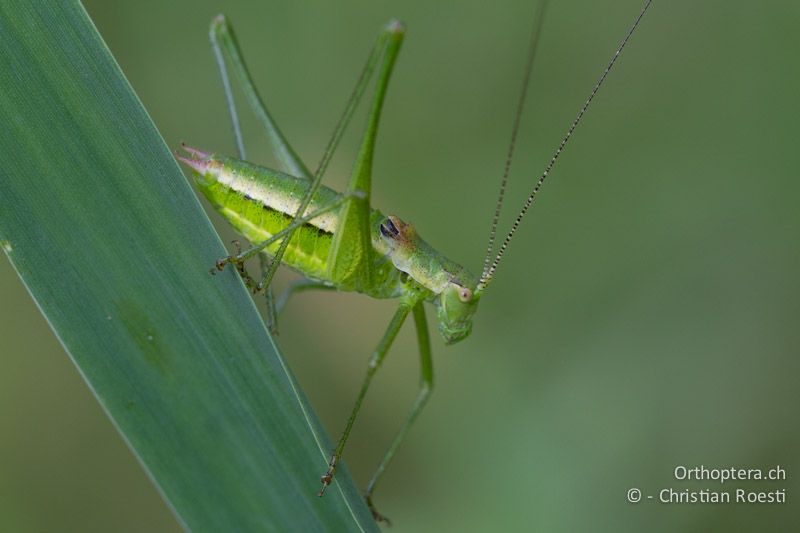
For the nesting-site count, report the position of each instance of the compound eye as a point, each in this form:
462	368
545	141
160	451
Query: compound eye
388	229
464	294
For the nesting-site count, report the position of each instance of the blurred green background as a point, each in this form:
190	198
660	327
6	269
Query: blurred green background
646	316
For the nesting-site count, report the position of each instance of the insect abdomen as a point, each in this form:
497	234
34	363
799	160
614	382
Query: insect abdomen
260	202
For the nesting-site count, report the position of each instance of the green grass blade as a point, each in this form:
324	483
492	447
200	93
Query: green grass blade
113	246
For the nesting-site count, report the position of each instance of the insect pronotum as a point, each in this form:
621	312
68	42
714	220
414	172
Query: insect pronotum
338	240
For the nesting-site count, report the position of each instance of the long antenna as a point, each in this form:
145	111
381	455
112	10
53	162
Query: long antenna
532	47
486	277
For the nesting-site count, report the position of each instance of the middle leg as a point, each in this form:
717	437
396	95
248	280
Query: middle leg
300	285
425	389
374	364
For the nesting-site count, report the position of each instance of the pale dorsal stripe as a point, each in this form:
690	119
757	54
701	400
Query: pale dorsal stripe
278	200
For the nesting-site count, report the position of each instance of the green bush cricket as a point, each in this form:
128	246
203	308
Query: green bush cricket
338	241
